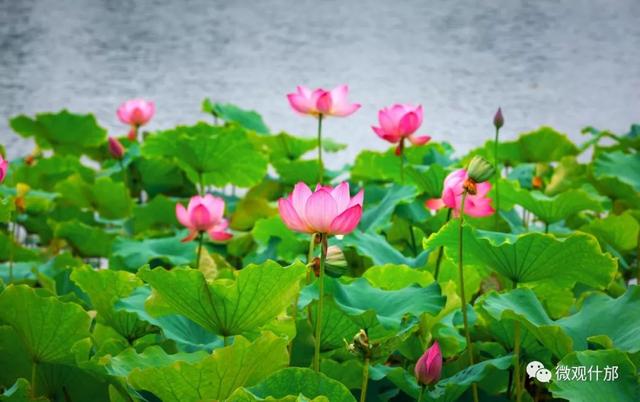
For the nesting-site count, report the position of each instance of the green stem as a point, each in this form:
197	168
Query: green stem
516	352
320	165
546	227
422	387
441	250
225	340
12	245
365	380
318	332
463	300
200	239
401	161
497	169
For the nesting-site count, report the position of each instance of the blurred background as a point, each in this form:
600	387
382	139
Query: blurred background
561	63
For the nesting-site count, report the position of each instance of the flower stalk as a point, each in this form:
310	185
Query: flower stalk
320	306
320	165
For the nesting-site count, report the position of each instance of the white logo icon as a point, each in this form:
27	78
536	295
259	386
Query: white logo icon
537	370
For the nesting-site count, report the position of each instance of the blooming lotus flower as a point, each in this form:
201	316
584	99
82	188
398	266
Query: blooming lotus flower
399	122
136	112
322	102
204	214
326	210
429	367
115	148
4	166
476	204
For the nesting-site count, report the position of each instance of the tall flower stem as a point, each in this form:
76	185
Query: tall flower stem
516	352
400	151
200	239
422	387
495	164
441	250
318	332
365	380
463	300
312	246
320	165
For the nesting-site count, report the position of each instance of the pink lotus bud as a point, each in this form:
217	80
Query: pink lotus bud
204	214
398	122
136	112
429	367
476	205
115	148
322	102
4	166
326	210
498	120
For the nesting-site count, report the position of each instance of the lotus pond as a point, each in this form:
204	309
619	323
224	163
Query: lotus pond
224	261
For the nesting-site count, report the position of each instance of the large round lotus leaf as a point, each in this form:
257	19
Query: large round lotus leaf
47	327
226	307
534	258
216	376
598	318
64	132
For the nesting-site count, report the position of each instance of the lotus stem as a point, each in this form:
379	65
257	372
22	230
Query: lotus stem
516	352
441	250
421	394
463	300
320	166
34	366
401	164
497	169
318	332
365	380
200	239
546	227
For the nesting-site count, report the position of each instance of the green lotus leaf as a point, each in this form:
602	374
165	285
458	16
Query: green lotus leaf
20	392
599	316
257	295
111	199
10	249
396	277
284	146
624	388
14	357
126	361
550	209
429	181
533	258
87	241
250	210
47	327
132	254
158	213
376	217
289	246
162	176
294	382
104	288
248	119
64	132
189	335
625	168
216	376
292	172
376	247
618	231
7	207
369	306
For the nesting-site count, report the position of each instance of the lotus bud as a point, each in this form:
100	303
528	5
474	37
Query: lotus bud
480	170
4	166
429	367
115	148
498	119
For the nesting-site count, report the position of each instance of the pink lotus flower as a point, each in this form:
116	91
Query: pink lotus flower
204	214
326	210
136	112
398	122
476	205
4	166
322	102
429	367
115	148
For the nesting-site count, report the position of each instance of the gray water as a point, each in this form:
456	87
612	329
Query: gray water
562	63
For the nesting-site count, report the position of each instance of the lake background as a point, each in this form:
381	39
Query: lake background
565	63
